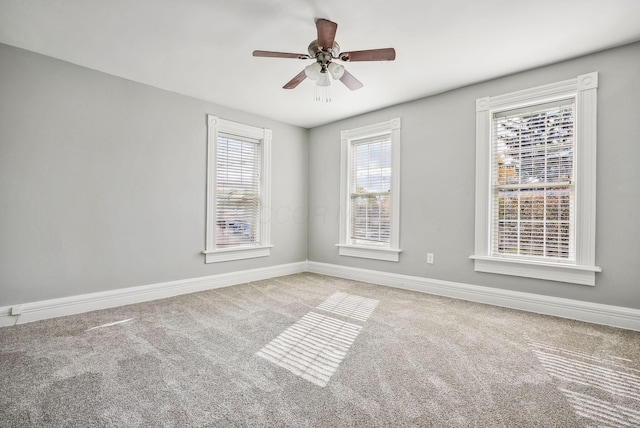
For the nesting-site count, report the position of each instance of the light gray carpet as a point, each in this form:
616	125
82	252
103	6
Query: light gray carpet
314	351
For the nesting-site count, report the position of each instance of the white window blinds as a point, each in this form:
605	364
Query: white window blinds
370	203
533	184
238	205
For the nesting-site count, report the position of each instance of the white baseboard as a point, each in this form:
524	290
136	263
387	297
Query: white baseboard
35	311
5	317
614	316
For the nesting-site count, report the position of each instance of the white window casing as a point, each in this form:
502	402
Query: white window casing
536	182
370	192
238	191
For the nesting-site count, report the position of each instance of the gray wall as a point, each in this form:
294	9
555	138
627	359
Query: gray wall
438	179
102	182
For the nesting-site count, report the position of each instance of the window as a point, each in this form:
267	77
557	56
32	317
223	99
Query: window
237	191
535	182
370	192
532	182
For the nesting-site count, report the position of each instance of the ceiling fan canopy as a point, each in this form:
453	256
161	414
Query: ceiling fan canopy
324	50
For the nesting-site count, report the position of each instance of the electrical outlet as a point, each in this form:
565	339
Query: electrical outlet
430	258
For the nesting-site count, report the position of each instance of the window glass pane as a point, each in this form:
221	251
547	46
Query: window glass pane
371	167
534	147
371	219
371	192
237	192
533	182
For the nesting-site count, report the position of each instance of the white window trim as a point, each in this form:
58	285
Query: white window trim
263	249
345	248
584	89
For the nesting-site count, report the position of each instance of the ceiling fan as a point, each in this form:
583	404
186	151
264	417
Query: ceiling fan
324	50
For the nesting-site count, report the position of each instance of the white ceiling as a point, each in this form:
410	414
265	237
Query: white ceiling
202	48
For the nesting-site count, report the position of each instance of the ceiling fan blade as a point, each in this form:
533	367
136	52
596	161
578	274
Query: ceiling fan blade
326	33
350	81
269	54
386	54
295	81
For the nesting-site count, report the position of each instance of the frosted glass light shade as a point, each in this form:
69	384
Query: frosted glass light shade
323	80
313	71
336	70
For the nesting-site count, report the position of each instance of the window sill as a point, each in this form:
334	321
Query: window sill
240	253
575	274
386	254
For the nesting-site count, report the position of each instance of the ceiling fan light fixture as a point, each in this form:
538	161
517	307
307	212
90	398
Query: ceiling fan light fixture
336	70
323	80
313	71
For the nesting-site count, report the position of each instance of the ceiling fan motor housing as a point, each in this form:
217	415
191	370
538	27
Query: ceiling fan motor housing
315	51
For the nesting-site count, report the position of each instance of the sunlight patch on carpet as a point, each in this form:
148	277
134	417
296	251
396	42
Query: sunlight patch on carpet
348	305
312	348
599	389
604	413
111	324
